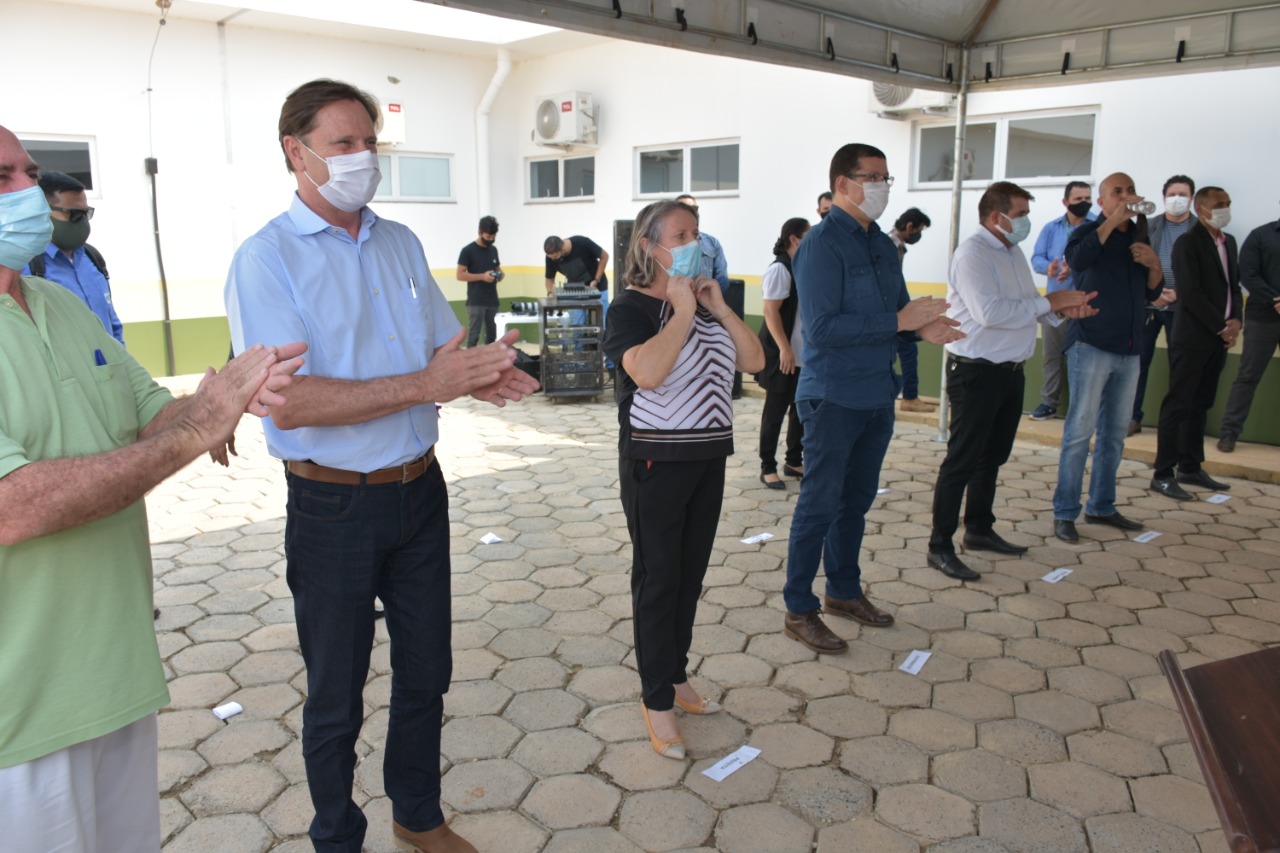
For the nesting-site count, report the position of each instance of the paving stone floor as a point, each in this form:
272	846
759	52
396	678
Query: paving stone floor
1040	723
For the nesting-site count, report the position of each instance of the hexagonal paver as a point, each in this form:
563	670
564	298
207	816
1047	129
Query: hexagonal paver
1092	685
567	802
753	783
975	702
884	760
602	685
476	698
932	730
557	751
234	788
502	830
1117	754
244	833
846	717
481	786
1175	801
812	679
592	840
979	776
1060	712
926	812
823	795
1021	741
1145	721
865	835
1025	826
789	745
1131	833
736	670
762	828
467	738
1078	789
666	820
544	709
242	740
634	766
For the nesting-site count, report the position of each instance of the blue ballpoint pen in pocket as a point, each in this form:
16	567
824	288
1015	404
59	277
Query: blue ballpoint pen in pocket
99	359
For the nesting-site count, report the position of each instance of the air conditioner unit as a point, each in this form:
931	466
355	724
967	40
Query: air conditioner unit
568	118
891	100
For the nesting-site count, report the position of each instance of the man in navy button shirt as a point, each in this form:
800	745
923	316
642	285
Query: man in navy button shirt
854	292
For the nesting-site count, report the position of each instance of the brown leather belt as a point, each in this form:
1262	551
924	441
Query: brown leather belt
406	473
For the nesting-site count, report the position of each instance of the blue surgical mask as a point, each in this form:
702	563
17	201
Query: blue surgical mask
1021	228
25	226
686	260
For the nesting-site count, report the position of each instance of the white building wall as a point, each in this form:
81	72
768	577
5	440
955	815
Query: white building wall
1217	128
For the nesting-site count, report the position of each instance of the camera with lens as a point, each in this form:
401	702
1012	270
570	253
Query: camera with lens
498	275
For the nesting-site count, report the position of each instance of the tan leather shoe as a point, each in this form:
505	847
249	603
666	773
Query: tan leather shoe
809	630
917	405
442	839
857	609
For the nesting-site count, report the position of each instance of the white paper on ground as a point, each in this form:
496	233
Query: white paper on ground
1147	537
914	662
758	538
734	761
230	709
490	538
1056	575
1219	498
882	491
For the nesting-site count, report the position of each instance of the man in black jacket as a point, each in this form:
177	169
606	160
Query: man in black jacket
1260	275
1207	268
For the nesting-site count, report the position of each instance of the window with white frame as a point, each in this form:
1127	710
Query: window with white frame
72	155
1031	149
700	168
415	177
562	178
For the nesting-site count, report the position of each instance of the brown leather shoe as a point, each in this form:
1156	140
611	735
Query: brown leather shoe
915	404
809	630
857	609
442	839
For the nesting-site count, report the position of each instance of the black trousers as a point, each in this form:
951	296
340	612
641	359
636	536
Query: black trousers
780	405
1193	384
1261	338
672	511
986	405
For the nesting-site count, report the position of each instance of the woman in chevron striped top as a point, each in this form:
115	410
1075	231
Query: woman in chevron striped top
677	345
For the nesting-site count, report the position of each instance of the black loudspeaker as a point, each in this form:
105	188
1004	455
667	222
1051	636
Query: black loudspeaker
736	298
622	229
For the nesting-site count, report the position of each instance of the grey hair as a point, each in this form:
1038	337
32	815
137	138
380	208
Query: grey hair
641	269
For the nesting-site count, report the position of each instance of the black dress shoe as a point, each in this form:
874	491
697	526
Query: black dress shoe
1170	489
951	566
772	484
1200	478
792	472
1227	443
1114	520
1065	530
991	542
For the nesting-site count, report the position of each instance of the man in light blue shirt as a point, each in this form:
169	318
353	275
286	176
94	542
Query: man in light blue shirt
1048	260
367	508
714	264
68	260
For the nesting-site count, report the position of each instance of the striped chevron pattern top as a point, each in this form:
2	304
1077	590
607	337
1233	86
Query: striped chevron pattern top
690	415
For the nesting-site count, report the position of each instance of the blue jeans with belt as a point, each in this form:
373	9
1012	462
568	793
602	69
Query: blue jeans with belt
843	450
344	546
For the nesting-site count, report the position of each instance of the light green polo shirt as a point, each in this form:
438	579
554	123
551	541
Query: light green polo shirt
78	656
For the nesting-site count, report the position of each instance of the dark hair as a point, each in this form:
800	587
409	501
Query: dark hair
552	244
488	225
298	115
1202	194
1066	193
826	195
1178	179
847	158
641	269
999	197
912	216
791	228
57	182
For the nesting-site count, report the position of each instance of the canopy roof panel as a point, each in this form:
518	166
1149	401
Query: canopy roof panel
919	42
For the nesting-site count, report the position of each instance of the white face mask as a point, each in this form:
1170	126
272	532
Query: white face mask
875	198
1219	218
353	179
1176	205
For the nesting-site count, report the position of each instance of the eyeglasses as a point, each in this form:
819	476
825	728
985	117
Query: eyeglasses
873	177
75	214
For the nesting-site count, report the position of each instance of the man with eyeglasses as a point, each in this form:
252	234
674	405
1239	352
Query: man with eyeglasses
68	260
854	291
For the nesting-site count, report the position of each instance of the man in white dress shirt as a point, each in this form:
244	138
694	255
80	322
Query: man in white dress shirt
997	305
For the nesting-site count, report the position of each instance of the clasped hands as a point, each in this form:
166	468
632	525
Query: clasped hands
686	294
1072	304
926	316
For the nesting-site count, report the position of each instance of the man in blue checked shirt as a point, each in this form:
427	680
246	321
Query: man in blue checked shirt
367	510
1048	260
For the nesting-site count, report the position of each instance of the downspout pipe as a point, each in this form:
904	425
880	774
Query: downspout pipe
483	154
957	195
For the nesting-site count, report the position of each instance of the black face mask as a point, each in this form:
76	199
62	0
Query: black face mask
485	243
912	239
822	214
1080	209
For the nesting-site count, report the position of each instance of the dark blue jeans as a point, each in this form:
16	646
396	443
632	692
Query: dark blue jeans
909	357
843	450
344	546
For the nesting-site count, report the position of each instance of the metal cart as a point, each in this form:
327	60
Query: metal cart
572	360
